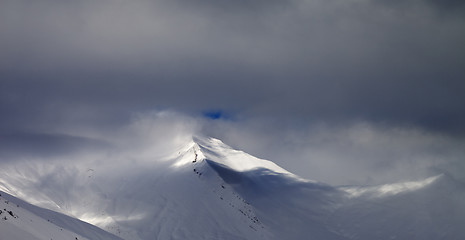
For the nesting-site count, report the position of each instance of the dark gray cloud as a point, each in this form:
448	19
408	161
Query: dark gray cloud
287	64
308	60
28	145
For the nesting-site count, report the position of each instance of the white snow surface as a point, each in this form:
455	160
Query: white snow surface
20	220
215	150
207	190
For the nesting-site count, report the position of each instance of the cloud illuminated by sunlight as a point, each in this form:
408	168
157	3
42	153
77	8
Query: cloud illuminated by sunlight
389	189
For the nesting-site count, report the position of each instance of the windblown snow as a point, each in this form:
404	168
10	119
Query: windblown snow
207	190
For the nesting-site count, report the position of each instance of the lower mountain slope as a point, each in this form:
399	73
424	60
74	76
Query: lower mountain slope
21	220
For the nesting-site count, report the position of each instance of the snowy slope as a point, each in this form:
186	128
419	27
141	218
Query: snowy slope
178	198
206	190
20	220
433	208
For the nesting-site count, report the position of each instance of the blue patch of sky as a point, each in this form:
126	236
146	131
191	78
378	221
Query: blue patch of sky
215	114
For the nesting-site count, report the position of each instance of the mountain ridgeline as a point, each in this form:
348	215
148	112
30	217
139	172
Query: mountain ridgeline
207	190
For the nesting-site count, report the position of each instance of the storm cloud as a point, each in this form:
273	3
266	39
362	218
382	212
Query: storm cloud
73	67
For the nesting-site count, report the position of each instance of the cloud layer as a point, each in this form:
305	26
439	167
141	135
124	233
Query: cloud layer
360	153
330	60
274	68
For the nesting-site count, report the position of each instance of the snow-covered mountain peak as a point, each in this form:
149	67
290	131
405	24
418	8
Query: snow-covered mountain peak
204	189
215	150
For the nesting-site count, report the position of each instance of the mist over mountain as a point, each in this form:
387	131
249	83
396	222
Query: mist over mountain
207	190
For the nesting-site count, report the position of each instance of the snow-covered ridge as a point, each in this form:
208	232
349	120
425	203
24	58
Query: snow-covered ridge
20	221
215	150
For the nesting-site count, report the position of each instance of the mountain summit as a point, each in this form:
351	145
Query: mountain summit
206	190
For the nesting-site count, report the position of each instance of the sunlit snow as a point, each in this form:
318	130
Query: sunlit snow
203	189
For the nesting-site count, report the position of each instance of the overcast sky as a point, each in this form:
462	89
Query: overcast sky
343	91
